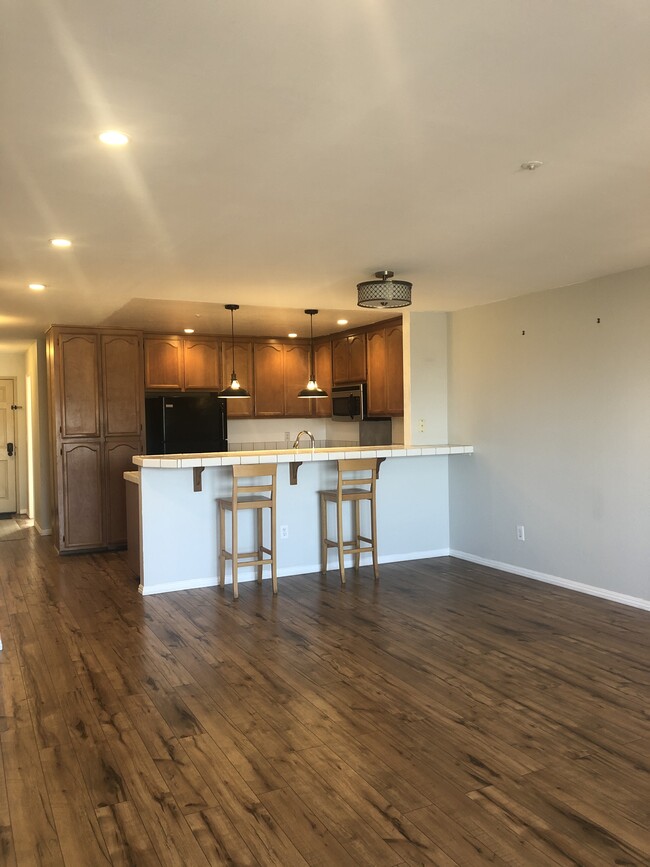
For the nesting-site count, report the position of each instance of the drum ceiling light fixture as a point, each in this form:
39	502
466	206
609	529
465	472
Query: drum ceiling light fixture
384	291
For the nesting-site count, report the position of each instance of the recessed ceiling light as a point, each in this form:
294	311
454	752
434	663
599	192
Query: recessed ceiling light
60	242
37	287
113	137
188	330
531	165
341	321
292	334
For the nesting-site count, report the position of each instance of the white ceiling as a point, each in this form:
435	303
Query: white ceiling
283	151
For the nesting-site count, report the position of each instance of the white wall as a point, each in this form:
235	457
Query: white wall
560	420
425	378
36	368
12	365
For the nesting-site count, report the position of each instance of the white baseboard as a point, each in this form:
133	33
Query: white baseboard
589	589
248	574
41	531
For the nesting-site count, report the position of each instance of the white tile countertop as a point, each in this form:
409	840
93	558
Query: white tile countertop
286	456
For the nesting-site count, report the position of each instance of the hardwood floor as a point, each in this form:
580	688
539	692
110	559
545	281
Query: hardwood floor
448	714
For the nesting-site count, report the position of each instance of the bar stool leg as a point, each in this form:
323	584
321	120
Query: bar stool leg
373	519
222	545
323	534
357	531
235	553
274	566
260	543
339	539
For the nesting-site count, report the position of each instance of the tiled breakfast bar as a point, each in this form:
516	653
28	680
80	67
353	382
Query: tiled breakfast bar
178	508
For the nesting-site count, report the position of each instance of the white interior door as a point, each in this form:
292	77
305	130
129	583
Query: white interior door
7	448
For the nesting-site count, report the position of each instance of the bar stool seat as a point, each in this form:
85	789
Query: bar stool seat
354	489
257	494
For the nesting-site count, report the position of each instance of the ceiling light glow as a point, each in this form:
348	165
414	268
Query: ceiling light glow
341	321
60	242
292	334
188	330
113	137
37	287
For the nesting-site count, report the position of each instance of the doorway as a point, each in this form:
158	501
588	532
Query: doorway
7	447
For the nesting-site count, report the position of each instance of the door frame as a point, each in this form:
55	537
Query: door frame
17	445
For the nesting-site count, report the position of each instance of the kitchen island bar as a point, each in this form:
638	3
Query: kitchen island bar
179	522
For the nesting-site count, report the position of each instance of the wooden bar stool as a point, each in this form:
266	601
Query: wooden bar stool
258	493
354	490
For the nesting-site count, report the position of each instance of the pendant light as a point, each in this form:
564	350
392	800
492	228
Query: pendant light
234	389
384	292
312	389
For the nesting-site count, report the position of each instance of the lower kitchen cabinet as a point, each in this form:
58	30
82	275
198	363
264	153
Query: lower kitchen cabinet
81	496
118	459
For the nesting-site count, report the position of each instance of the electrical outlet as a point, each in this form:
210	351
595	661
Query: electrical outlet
421	425
521	533
284	532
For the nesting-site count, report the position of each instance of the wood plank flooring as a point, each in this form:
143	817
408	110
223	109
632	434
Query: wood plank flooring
448	714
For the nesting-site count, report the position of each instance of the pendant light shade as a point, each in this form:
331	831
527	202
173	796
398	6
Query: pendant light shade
384	292
311	389
234	389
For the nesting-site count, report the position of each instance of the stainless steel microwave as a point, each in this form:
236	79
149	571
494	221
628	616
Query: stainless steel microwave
349	402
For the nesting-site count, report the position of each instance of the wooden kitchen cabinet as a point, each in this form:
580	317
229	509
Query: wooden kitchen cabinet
181	363
322	408
244	408
77	383
268	376
163	362
349	359
96	410
280	371
385	371
200	363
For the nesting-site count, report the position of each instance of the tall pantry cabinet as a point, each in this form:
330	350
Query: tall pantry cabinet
96	412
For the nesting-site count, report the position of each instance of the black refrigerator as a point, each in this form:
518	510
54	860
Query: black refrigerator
186	424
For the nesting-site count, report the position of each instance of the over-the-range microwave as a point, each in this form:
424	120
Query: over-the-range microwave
349	402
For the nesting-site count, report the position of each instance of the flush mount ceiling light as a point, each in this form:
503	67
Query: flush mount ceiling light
312	389
234	389
531	165
60	242
37	287
384	292
113	137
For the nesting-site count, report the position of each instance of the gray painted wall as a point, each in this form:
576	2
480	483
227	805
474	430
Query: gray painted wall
560	420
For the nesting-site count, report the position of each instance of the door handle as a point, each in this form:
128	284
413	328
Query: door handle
10	449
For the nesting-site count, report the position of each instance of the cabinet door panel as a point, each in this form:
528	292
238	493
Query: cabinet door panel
79	385
163	362
268	372
244	408
357	358
201	360
296	374
83	525
340	365
322	408
118	458
122	381
377	373
394	371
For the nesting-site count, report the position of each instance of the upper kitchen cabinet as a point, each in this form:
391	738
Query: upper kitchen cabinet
349	359
281	370
236	408
75	381
201	363
181	363
122	384
385	370
322	407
